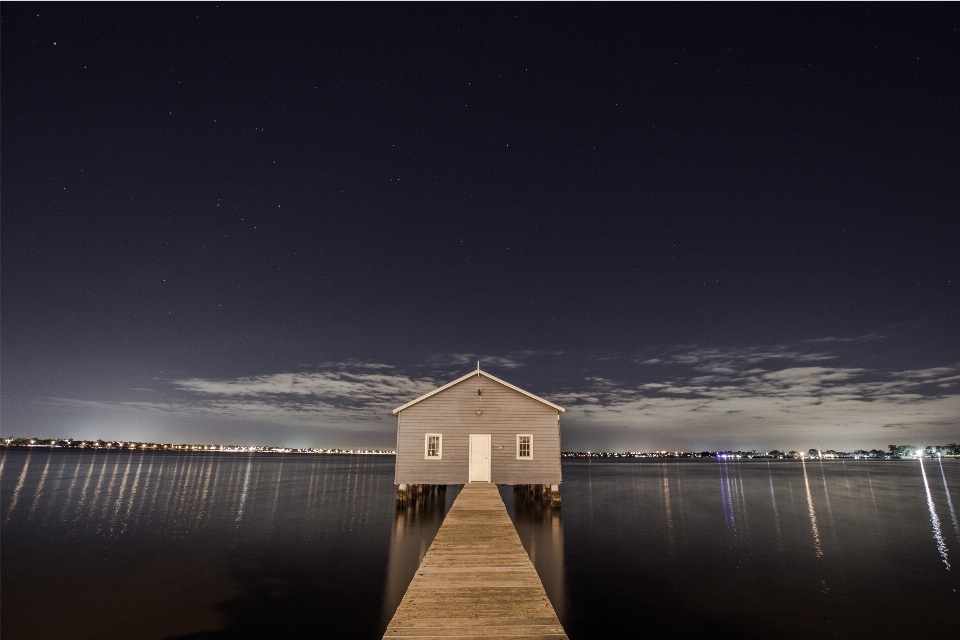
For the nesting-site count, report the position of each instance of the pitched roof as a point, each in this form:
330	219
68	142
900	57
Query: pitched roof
477	372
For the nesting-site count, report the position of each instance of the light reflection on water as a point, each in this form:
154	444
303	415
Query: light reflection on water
540	528
946	490
814	529
758	554
776	512
668	512
243	545
935	520
238	545
19	488
414	527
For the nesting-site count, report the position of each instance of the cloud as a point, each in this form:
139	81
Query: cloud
719	395
941	373
510	360
352	400
470	360
689	397
344	392
867	337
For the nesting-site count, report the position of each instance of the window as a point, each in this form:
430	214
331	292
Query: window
525	447
433	447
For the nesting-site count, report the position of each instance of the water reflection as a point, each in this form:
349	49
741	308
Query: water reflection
113	494
622	577
776	512
826	498
813	514
946	489
117	503
243	494
934	520
239	545
19	488
105	506
118	506
83	492
265	546
96	490
873	497
665	496
39	491
733	502
540	527
742	501
415	525
726	500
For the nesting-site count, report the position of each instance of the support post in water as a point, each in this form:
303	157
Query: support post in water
412	495
540	494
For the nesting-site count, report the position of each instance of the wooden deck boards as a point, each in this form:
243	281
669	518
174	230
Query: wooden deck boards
476	580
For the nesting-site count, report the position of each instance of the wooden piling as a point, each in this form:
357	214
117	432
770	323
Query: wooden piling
547	494
476	579
413	496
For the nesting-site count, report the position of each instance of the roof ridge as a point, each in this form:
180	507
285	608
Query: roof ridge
477	372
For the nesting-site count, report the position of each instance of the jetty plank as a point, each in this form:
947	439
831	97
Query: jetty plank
476	580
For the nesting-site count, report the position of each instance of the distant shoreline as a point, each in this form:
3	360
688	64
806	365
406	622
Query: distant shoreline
895	452
118	445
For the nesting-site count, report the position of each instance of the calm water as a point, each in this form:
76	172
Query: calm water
150	545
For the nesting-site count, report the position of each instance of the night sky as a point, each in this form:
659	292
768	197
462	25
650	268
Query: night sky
693	226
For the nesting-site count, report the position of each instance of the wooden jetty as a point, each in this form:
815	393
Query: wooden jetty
476	580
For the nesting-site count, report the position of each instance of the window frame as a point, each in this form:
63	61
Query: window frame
426	446
525	435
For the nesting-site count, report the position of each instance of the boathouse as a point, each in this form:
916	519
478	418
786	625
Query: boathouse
478	428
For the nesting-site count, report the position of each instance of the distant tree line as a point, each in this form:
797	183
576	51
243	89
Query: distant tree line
907	451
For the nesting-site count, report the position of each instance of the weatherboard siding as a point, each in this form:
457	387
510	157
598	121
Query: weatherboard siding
452	412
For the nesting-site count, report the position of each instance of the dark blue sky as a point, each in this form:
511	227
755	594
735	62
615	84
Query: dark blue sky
695	226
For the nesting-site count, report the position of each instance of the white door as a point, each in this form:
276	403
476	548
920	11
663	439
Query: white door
479	458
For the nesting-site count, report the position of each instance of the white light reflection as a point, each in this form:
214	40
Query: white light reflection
776	512
276	495
83	493
826	497
171	490
95	498
133	492
934	520
208	485
665	493
180	497
106	498
743	502
679	485
243	494
39	491
69	497
953	514
123	487
150	496
873	498
726	497
17	489
813	515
